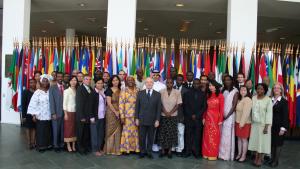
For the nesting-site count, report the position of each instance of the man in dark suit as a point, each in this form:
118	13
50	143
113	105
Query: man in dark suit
147	114
56	93
180	126
84	114
194	107
190	77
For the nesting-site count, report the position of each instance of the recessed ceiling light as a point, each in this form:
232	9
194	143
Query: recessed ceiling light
44	31
92	19
282	38
104	27
139	20
50	21
82	4
218	32
290	0
179	5
181	30
145	29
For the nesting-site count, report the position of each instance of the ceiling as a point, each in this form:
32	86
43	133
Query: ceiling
206	18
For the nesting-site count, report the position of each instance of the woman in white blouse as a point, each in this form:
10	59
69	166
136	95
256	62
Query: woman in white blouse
40	110
69	110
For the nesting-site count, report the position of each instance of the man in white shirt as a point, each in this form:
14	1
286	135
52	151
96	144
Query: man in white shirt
140	82
122	75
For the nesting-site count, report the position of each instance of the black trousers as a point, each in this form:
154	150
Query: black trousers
83	137
193	136
146	138
43	134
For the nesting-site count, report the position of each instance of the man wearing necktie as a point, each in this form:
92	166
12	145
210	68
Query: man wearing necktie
56	93
147	114
189	83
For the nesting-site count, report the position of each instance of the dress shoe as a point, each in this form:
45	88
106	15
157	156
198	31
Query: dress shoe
179	154
170	155
57	150
187	155
150	156
141	155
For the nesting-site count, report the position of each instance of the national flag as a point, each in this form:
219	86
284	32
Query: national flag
274	68
162	64
180	69
262	69
292	94
251	71
198	70
270	70
207	67
242	63
147	64
279	71
133	62
298	94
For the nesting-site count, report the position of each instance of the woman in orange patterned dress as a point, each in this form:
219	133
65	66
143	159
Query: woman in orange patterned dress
212	120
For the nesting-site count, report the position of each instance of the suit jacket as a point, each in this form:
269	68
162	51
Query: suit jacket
280	114
180	115
56	100
195	103
185	84
148	110
85	103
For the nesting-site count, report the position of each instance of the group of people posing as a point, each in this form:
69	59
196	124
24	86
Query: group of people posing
122	115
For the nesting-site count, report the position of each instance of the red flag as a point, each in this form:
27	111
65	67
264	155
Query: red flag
207	63
262	68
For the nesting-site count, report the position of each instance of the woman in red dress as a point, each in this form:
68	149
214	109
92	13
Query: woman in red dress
212	120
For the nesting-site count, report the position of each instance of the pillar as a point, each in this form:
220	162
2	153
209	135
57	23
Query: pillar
121	21
70	35
16	25
242	26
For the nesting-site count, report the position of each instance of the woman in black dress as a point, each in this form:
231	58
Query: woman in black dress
280	122
28	123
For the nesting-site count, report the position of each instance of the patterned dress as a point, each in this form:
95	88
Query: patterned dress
130	137
227	145
211	132
113	125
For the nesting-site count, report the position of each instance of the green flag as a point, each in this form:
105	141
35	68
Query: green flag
133	64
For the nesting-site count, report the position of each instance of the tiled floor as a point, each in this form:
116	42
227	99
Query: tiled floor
14	155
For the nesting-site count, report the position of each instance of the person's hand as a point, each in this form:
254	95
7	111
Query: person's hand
92	120
241	126
137	122
220	123
54	117
66	117
265	130
203	121
194	117
281	132
123	120
156	124
34	118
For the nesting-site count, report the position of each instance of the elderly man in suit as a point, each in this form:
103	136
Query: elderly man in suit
147	114
56	93
84	114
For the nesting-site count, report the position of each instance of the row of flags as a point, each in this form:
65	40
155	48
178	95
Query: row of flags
46	55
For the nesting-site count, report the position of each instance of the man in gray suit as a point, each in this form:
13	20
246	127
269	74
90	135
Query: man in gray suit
56	93
147	114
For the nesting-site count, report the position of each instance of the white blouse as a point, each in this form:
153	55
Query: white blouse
39	105
69	103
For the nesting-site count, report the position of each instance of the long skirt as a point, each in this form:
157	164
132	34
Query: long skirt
69	128
168	133
112	134
130	136
43	134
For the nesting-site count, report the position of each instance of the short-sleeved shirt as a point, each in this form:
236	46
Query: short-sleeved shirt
170	101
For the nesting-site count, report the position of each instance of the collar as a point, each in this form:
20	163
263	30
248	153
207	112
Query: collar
278	99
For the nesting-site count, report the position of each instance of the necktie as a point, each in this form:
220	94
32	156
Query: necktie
61	89
148	94
190	85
